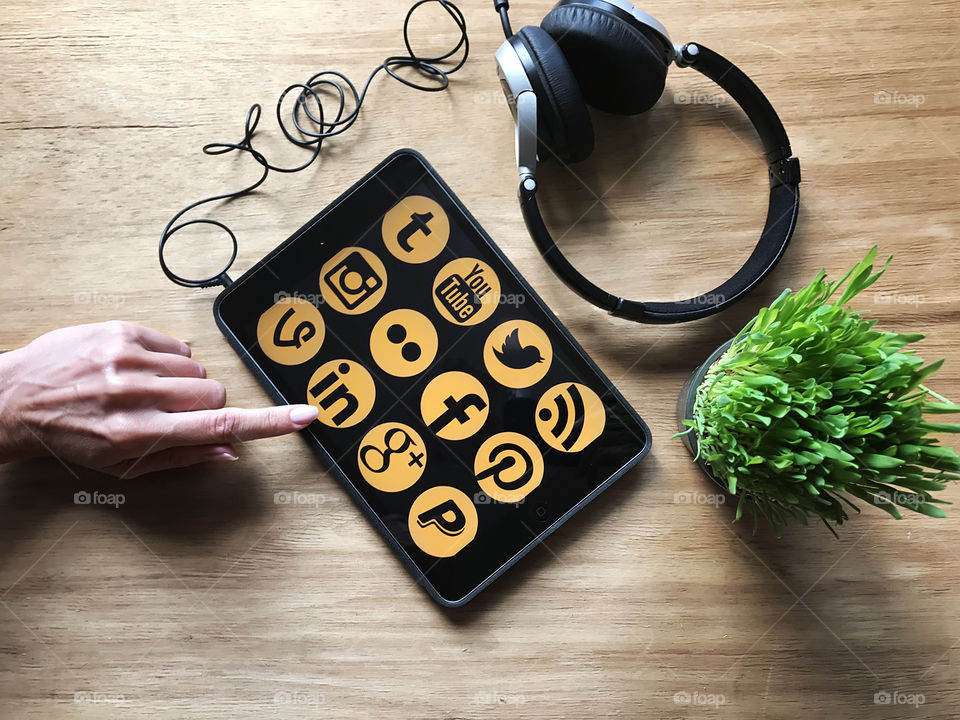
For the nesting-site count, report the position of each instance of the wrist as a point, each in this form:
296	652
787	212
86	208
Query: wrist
16	440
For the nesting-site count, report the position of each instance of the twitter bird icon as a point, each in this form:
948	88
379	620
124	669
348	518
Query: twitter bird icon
515	355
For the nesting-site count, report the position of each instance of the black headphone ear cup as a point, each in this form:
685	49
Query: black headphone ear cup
620	68
562	117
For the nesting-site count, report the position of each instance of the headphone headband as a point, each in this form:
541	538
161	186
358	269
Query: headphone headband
625	10
783	169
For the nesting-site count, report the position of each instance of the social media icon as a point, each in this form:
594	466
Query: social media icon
508	467
343	392
353	281
392	457
416	229
454	405
291	331
404	342
570	416
517	354
442	521
466	291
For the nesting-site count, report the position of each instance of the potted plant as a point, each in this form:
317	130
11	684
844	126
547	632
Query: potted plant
810	407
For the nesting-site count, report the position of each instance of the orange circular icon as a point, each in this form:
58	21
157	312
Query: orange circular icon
343	392
442	521
508	467
454	405
570	416
466	291
353	281
404	342
392	457
416	229
291	331
517	354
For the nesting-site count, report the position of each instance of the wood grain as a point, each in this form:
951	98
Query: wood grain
200	597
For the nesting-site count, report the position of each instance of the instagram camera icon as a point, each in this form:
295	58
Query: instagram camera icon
352	280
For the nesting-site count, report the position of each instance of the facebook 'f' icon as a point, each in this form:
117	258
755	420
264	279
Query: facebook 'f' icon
454	405
457	411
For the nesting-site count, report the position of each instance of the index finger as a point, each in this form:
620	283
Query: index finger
205	427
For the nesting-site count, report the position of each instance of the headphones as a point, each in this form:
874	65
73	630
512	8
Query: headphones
614	57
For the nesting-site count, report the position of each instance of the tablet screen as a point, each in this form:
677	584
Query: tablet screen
456	409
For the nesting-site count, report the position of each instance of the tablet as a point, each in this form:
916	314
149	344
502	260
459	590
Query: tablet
454	408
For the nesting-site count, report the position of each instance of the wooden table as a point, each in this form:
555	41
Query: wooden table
200	597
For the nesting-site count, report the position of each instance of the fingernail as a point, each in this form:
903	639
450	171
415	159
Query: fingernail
303	415
223	454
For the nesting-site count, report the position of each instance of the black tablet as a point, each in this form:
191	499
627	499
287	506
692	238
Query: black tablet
455	409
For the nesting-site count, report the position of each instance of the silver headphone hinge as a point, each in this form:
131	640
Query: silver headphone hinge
686	55
527	142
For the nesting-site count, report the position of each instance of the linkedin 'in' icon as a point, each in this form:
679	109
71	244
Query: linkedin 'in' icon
343	391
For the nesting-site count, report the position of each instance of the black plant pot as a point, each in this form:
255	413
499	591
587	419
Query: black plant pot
685	403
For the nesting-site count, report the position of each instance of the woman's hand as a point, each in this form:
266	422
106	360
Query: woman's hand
123	399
